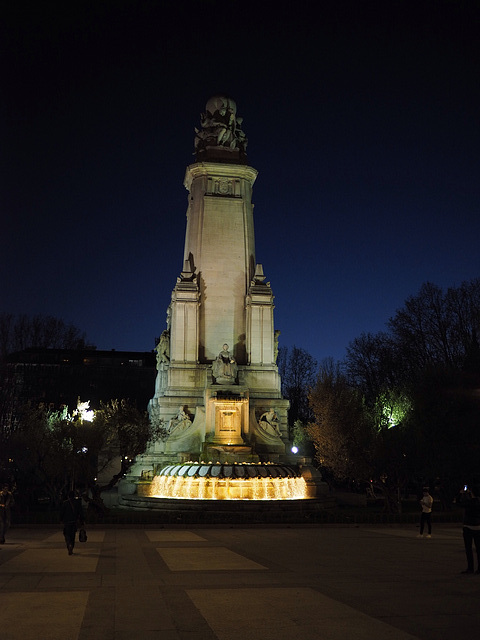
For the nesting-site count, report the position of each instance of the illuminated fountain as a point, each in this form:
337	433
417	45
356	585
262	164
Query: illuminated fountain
231	433
238	481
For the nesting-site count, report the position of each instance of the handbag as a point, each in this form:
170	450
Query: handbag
82	535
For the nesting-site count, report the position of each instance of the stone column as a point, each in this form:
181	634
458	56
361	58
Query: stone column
220	243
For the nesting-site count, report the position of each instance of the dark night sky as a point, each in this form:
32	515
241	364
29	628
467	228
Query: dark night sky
362	120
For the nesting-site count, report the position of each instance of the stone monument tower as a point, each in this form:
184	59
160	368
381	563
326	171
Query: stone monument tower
217	392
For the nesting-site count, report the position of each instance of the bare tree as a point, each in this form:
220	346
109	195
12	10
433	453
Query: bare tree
298	370
23	332
371	363
434	330
423	328
422	376
464	305
340	431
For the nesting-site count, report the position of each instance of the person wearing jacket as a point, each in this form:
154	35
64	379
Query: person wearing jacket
426	504
6	501
71	514
470	501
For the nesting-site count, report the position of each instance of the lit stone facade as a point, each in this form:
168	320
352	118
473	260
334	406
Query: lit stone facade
217	392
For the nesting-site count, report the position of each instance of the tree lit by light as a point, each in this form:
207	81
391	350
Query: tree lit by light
84	412
392	407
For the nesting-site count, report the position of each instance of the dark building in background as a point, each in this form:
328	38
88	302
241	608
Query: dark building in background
60	376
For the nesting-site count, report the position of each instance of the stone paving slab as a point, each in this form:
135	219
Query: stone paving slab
31	614
174	535
41	560
309	582
282	614
206	559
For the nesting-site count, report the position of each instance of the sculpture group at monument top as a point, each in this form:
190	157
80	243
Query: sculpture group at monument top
220	128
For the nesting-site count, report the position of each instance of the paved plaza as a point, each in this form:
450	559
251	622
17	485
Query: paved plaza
222	583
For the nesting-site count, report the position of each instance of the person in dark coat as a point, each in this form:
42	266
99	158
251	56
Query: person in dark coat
470	501
6	501
71	514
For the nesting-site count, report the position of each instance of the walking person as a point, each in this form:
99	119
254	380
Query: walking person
426	503
6	502
71	514
470	501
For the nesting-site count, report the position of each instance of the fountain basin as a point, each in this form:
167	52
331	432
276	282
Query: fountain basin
225	481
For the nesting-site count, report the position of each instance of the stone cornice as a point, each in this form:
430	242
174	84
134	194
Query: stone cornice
218	169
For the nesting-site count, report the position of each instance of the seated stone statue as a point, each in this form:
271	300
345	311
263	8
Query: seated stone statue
225	367
269	423
180	422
